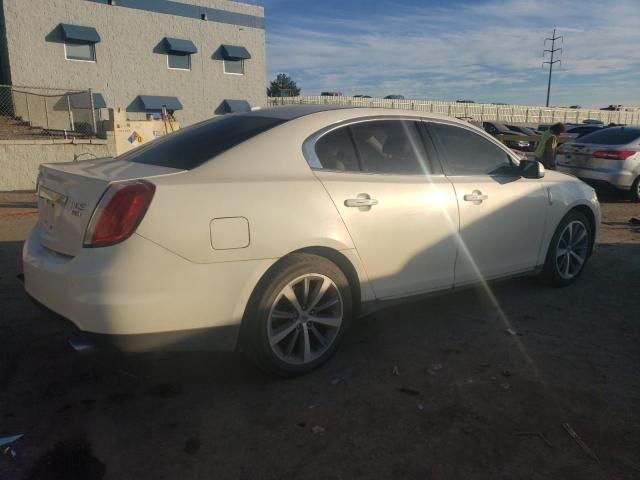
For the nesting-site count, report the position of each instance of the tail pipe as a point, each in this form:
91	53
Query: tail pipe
80	344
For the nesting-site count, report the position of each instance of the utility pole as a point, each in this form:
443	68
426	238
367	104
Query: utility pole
551	61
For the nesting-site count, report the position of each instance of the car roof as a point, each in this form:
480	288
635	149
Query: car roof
635	130
292	112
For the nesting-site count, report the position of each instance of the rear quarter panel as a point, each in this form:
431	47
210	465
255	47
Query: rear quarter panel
265	180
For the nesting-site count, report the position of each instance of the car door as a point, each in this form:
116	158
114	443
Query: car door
502	215
399	208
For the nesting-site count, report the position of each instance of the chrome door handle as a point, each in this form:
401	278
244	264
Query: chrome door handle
360	202
476	197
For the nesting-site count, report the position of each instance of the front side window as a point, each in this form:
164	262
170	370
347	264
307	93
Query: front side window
234	66
179	62
336	152
80	51
466	153
391	147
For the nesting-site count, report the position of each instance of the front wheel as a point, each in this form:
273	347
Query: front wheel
297	315
569	250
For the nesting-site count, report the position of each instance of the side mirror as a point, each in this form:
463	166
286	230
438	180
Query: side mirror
531	169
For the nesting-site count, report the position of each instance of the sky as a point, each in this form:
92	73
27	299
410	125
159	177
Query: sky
482	50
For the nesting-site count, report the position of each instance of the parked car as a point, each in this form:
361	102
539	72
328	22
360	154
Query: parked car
610	155
581	130
591	121
394	97
465	101
524	130
362	96
223	235
330	94
575	106
613	108
543	127
500	130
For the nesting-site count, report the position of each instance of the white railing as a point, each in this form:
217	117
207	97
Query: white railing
477	111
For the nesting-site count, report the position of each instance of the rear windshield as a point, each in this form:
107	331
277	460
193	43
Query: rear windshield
612	136
194	145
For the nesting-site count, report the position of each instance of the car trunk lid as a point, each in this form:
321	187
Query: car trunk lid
581	155
69	192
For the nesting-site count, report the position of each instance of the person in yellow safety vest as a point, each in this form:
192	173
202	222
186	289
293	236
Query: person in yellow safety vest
546	150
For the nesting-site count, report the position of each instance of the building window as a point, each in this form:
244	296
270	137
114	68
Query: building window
85	52
234	66
178	62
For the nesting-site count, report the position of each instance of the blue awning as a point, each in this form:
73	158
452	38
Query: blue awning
179	47
236	106
233	52
81	100
151	102
76	33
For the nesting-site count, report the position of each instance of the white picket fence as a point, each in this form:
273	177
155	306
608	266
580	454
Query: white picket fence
476	111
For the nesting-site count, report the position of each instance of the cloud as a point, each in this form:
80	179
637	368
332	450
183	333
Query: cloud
490	51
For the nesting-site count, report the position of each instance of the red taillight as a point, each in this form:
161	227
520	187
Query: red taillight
118	213
614	154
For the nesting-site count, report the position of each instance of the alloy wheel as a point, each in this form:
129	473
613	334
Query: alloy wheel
305	319
572	249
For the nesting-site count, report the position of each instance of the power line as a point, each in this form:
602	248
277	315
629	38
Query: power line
551	61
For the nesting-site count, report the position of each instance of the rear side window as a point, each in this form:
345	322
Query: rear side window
612	136
194	145
391	147
335	151
467	153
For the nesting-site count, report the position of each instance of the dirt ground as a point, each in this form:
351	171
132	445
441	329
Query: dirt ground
471	401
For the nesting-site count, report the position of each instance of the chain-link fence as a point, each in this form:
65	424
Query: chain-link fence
30	113
477	112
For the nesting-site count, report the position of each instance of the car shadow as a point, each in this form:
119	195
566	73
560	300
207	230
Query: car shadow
610	194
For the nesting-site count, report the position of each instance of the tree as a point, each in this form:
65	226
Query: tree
283	86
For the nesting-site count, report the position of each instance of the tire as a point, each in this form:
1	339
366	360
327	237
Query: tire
286	339
634	194
557	272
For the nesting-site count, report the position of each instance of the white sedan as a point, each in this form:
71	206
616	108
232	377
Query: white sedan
269	231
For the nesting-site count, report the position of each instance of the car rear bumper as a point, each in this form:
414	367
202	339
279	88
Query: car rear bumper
223	338
622	179
138	296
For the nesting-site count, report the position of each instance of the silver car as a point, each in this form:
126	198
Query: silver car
610	155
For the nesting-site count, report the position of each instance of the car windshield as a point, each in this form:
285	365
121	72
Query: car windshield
613	136
527	131
192	146
502	127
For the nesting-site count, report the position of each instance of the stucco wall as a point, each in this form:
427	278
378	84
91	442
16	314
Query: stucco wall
126	64
19	160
